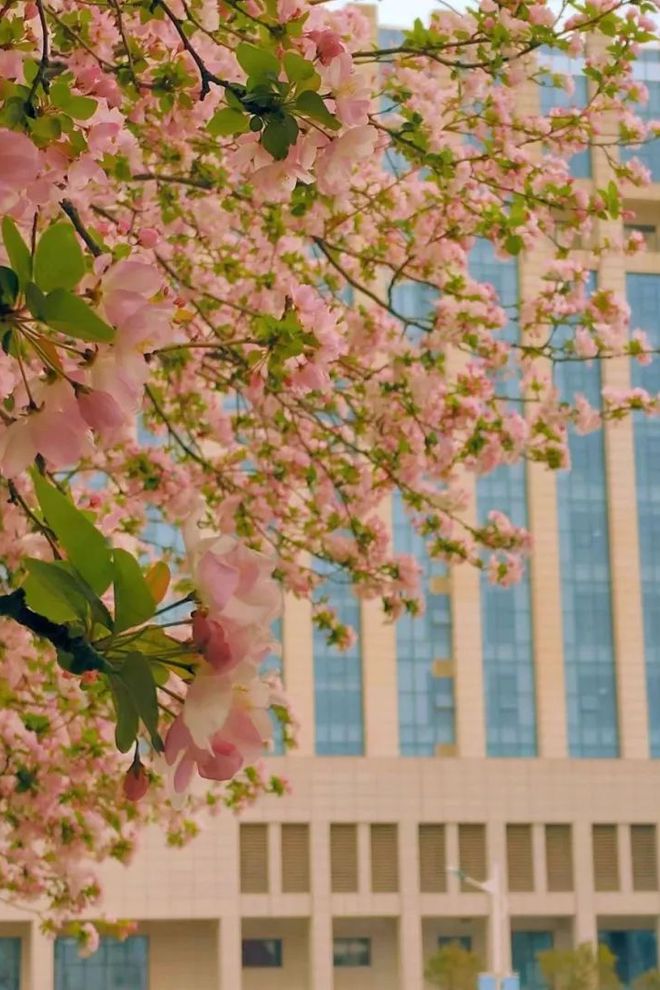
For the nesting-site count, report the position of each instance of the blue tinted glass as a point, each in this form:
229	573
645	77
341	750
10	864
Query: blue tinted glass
338	677
115	966
647	69
414	301
585	574
274	663
426	702
10	963
525	947
505	612
390	37
553	97
635	950
644	298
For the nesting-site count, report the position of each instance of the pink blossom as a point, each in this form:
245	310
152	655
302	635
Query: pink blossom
584	343
209	638
148	237
19	166
233	581
100	410
339	158
328	45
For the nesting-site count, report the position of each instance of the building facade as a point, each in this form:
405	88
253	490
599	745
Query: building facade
509	733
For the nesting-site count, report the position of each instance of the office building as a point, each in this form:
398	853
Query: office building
508	732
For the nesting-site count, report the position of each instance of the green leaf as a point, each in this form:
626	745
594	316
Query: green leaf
128	719
50	592
297	68
160	673
278	136
154	642
86	547
45	129
138	678
612	199
233	100
58	259
79	107
311	105
134	603
258	63
8	288
17	251
70	314
100	613
36	723
35	300
227	121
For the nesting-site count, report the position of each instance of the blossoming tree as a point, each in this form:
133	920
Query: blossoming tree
209	208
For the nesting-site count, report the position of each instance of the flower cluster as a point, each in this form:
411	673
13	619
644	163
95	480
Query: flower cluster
225	722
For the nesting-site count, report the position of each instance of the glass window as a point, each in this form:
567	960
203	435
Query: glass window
647	69
262	953
525	947
554	97
585	576
426	702
636	952
115	966
351	952
338	677
643	293
10	963
506	618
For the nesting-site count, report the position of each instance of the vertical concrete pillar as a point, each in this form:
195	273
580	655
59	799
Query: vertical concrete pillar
545	575
585	924
320	924
468	677
411	962
230	952
274	858
41	961
379	676
298	649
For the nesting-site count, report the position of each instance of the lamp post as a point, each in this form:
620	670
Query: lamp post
494	888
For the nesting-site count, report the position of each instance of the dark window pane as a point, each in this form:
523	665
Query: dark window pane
262	953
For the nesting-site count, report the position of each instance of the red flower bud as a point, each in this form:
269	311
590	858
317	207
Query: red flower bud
136	782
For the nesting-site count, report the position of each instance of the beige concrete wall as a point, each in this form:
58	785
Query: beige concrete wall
183	955
294	974
382	974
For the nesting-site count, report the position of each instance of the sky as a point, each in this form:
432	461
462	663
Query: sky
401	13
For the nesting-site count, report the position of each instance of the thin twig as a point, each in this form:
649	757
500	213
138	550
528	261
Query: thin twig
73	215
206	76
43	62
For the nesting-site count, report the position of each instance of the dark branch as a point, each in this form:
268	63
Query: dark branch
73	215
84	656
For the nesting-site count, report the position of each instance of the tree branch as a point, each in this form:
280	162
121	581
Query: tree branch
84	656
73	215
